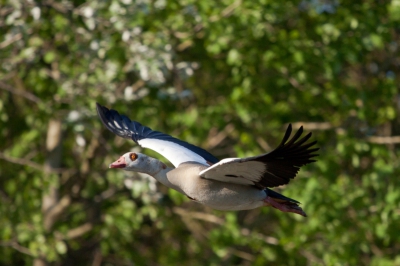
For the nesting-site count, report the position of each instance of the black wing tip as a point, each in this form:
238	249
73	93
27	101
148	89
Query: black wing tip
108	114
296	138
102	112
285	161
287	135
100	108
109	117
299	148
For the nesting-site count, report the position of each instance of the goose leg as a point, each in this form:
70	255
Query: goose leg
285	206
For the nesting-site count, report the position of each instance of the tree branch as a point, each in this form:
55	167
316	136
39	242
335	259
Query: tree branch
21	161
219	137
29	163
241	254
14	244
52	212
23	93
384	140
13	39
79	231
313	125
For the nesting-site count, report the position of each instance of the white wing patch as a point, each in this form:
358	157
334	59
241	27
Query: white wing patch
116	124
234	170
175	153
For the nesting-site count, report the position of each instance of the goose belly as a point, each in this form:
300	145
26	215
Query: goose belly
226	196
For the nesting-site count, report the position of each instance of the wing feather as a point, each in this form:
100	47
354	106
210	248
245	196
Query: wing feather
268	170
175	150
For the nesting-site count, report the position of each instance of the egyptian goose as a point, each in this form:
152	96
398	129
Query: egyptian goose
229	184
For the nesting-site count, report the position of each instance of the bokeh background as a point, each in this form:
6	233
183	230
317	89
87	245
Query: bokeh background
225	75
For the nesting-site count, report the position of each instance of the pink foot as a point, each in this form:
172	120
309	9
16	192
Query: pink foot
285	206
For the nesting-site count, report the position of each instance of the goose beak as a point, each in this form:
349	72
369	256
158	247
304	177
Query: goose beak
120	163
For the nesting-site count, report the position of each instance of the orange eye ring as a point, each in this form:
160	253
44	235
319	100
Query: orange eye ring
133	156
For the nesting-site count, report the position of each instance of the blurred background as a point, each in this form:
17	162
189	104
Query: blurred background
224	75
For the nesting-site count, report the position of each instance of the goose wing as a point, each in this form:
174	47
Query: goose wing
267	170
175	150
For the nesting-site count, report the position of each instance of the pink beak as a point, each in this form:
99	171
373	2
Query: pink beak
120	163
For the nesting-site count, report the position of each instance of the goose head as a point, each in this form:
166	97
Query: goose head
138	162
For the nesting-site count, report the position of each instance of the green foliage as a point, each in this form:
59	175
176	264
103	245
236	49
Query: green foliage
224	75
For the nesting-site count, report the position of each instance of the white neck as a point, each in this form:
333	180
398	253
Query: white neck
158	170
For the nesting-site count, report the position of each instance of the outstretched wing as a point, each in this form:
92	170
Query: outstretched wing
175	150
268	170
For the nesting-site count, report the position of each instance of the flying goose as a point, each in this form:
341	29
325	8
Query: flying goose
229	184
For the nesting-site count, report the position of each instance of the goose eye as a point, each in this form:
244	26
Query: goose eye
133	156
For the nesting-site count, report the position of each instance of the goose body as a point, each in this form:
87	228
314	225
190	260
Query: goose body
215	194
229	184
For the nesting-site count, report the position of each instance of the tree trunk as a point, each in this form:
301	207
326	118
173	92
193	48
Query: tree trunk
51	204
